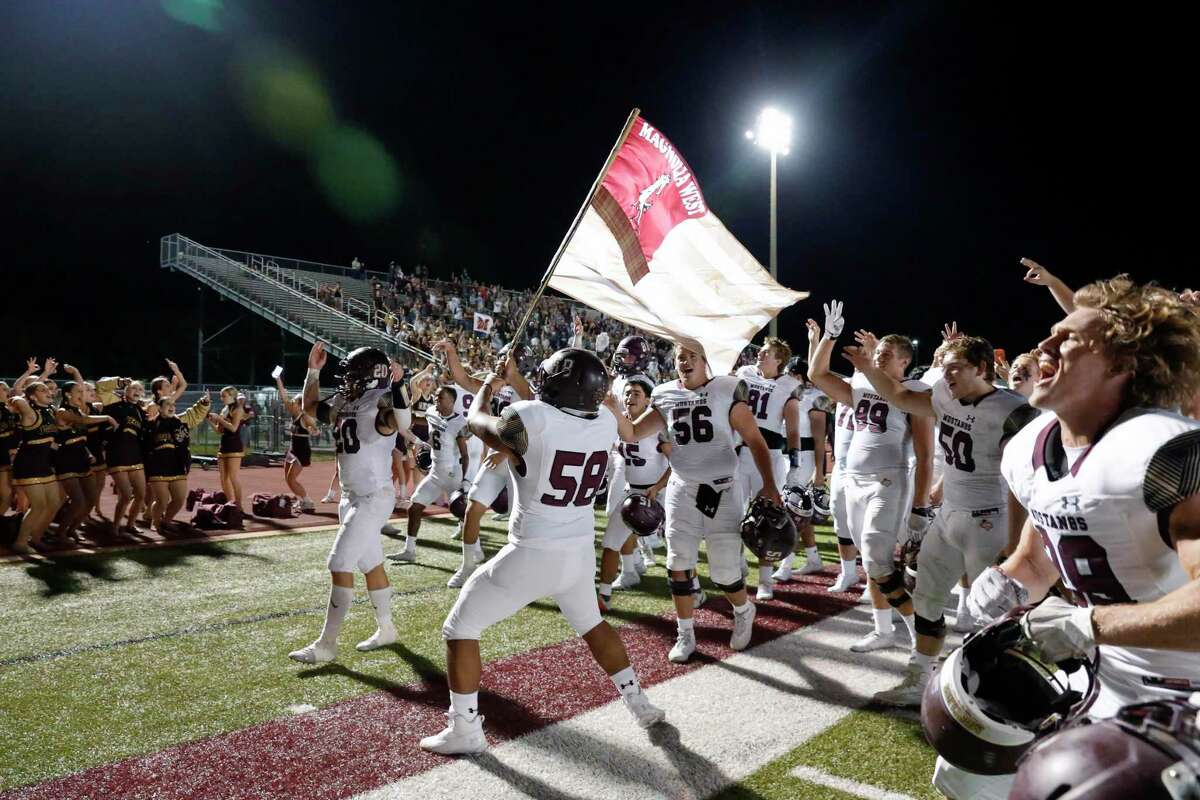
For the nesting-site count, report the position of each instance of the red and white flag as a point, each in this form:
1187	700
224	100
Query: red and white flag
483	323
649	252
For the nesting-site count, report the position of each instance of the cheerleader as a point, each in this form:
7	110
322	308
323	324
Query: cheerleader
420	390
161	387
299	455
123	447
10	437
229	456
72	459
169	457
33	465
93	484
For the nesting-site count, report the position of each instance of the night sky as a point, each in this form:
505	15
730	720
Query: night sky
938	143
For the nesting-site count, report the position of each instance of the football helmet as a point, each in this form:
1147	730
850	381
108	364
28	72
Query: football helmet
768	530
820	500
631	356
994	697
797	366
362	370
1148	750
525	361
643	515
573	380
798	501
500	504
424	459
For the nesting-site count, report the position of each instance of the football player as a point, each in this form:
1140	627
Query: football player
702	415
364	429
979	516
559	447
1110	480
876	480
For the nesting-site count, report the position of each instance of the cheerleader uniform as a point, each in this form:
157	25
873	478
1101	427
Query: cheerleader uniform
96	435
10	437
420	425
163	462
231	441
34	462
124	445
183	437
72	459
301	446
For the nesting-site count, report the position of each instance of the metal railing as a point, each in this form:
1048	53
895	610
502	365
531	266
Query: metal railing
244	257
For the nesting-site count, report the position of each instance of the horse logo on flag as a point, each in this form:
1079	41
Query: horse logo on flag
646	198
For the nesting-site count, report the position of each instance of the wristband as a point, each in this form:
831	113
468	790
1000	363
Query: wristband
314	374
793	455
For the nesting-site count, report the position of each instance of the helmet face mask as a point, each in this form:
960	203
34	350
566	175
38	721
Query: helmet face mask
768	530
631	356
363	370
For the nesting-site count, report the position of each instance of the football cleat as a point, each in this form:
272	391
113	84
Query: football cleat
844	583
380	638
315	653
685	645
403	557
874	641
743	626
784	573
626	580
460	737
390	530
699	598
460	576
603	601
306	504
639	563
329	498
645	712
812	564
765	592
910	691
965	623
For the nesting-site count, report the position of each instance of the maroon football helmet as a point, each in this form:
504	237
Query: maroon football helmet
643	515
995	696
458	504
500	504
1148	751
631	356
768	530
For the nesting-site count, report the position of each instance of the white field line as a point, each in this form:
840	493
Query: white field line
863	790
724	722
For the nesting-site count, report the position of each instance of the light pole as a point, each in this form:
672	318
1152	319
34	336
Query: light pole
773	132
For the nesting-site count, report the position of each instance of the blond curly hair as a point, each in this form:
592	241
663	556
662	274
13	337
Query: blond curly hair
1153	335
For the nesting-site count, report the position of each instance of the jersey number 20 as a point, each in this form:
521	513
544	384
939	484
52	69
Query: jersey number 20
346	436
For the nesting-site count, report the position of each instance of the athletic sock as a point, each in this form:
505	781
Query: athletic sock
764	574
812	553
468	551
742	609
604	589
629	563
850	568
382	600
883	620
626	682
465	705
910	622
685	624
963	593
924	662
340	598
410	544
786	561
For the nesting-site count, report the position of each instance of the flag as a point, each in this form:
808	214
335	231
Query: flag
649	252
483	323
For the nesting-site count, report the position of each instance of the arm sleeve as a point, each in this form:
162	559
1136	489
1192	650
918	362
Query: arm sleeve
824	403
511	431
1018	419
400	398
327	409
741	393
196	413
1173	474
106	391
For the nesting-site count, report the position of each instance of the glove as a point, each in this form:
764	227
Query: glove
1061	630
833	319
994	594
919	520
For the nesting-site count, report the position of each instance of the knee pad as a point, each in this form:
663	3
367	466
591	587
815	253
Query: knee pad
931	627
730	588
894	582
899	600
681	588
845	541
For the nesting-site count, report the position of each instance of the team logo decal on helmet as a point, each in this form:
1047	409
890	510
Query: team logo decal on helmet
643	515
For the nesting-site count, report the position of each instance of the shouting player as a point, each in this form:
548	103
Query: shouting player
364	429
559	447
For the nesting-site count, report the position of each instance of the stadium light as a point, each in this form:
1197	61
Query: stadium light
773	133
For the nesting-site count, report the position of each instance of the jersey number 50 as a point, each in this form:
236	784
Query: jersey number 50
579	491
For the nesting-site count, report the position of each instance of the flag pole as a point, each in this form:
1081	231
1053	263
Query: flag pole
562	247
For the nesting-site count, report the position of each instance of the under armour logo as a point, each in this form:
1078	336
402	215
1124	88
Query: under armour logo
1070	503
630	685
471	712
970	421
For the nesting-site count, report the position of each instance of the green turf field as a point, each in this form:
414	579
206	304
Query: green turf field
122	654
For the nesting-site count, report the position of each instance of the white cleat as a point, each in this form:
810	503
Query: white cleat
908	694
461	737
500	517
306	504
813	564
865	597
460	577
685	645
645	712
964	623
874	641
404	503
844	583
315	653
765	592
627	580
783	574
382	637
639	562
458	533
390	530
699	598
743	626
329	498
404	557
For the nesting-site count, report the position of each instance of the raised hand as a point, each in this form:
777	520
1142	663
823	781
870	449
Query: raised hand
51	366
317	356
72	371
814	332
834	322
1003	368
174	367
950	332
859	356
867	341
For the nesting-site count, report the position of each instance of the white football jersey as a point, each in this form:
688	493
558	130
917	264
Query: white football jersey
843	432
503	399
698	423
1099	520
444	433
767	397
644	463
969	437
882	435
462	399
364	455
561	472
